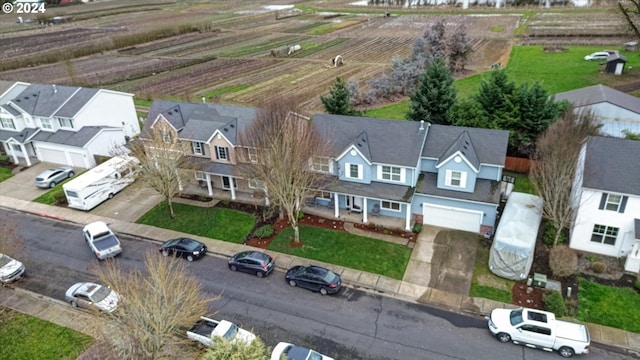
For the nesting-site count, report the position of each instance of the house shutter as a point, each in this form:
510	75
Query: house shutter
603	200
623	204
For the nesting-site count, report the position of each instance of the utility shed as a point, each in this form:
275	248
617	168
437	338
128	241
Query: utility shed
615	64
514	243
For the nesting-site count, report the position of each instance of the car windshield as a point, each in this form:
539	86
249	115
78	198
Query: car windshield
231	333
329	277
515	317
189	245
105	241
100	294
4	260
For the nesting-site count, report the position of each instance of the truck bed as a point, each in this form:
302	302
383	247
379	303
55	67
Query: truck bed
203	327
572	331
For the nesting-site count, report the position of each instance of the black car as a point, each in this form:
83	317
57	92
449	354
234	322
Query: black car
253	262
314	278
184	247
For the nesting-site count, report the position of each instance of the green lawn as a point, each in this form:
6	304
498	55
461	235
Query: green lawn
24	337
522	183
609	306
57	193
484	284
4	174
345	249
212	222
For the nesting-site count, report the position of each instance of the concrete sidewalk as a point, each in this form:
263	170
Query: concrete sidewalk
406	290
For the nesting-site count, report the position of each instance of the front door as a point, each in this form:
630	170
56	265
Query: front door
354	203
226	183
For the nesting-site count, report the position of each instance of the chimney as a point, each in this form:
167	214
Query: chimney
204	100
421	126
54	89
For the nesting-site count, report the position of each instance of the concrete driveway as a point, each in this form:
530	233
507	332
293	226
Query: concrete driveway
127	205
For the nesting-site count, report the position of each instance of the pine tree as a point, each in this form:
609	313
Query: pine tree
338	102
435	95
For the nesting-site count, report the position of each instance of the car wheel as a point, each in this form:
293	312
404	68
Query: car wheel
52	184
260	274
74	304
323	291
71	174
504	338
110	195
566	352
292	283
189	257
233	268
165	252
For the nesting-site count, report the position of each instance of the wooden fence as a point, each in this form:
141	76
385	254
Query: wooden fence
517	164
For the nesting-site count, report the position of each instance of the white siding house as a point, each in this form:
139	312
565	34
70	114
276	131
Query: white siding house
607	197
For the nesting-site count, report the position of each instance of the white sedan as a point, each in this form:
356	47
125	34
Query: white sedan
89	295
10	269
292	352
102	241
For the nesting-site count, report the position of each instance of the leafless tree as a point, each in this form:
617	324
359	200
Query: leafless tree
630	10
286	144
237	350
163	164
155	306
554	165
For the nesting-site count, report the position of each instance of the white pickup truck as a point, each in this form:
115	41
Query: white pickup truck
205	329
539	329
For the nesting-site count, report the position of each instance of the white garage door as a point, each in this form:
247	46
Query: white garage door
77	160
453	218
52	156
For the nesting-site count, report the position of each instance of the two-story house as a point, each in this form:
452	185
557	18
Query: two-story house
606	197
64	124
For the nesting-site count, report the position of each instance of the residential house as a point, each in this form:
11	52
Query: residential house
606	195
66	125
616	111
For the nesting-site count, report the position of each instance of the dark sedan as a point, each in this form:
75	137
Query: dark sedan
252	262
184	247
314	278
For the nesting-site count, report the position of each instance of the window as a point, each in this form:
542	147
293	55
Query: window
7	123
256	184
455	178
201	176
65	123
321	164
252	154
323	195
391	173
46	123
222	153
354	171
613	202
166	136
604	234
197	147
390	205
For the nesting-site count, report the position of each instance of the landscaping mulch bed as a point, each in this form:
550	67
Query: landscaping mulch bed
378	229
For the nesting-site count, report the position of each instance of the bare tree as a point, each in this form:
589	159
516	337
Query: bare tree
554	165
287	143
224	349
630	10
163	164
155	306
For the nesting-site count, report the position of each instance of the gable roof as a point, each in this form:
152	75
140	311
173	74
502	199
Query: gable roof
608	165
464	146
488	146
72	138
77	102
598	94
43	100
390	142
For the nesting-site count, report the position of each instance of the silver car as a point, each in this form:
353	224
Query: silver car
52	177
89	295
102	241
10	269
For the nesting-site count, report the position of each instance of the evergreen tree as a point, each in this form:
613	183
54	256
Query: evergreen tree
434	96
493	93
338	102
467	112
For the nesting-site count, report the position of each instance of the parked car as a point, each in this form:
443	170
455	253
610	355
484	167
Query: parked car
314	278
187	248
52	177
10	269
598	55
102	241
292	352
253	262
89	295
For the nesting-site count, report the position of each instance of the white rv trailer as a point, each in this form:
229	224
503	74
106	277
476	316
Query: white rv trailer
102	182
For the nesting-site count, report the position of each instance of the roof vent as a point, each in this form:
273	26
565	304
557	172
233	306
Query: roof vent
359	145
55	90
421	125
364	140
232	126
225	129
169	112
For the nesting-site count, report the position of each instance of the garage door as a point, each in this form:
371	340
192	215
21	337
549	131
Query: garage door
52	156
77	160
453	218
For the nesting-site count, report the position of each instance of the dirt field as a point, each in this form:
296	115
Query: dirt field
232	48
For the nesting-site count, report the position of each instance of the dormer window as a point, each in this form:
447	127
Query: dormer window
353	171
65	123
7	123
197	147
456	178
222	153
46	123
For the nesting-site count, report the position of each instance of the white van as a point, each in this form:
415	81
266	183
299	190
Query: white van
101	183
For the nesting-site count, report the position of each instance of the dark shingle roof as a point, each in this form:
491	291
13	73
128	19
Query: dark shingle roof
463	145
72	138
387	141
486	191
489	146
611	164
375	190
44	100
205	164
77	102
23	136
10	109
597	94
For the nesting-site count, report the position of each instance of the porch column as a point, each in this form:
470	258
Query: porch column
364	210
233	191
266	197
26	154
336	209
407	222
180	187
13	155
209	189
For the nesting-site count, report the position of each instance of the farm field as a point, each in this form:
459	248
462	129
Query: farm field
224	50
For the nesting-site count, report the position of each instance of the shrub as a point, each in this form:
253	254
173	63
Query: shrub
637	285
554	302
563	261
592	258
598	267
550	232
300	215
417	228
263	231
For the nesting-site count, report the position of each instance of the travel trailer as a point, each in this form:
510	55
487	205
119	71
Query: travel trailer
101	183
